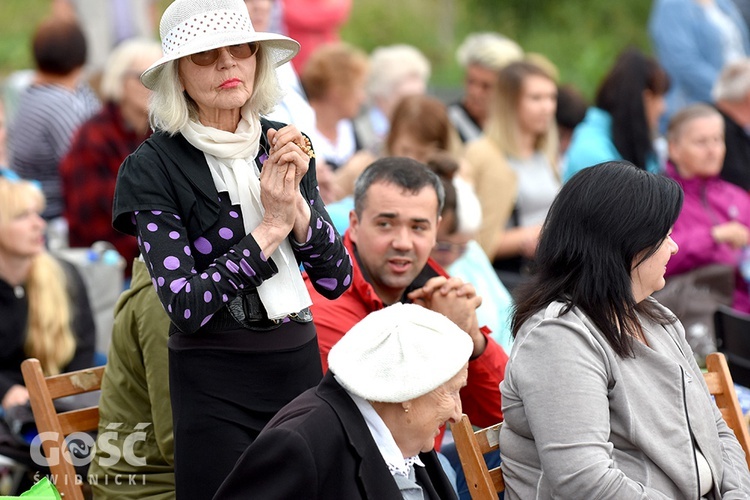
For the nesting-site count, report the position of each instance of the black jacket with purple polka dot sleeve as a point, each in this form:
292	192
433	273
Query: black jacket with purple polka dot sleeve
193	238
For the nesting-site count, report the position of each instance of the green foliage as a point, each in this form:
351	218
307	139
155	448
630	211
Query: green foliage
582	37
18	18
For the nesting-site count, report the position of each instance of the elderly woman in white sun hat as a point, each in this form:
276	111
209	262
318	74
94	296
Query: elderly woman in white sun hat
368	429
225	207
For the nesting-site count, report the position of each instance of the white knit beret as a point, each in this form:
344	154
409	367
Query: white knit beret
399	353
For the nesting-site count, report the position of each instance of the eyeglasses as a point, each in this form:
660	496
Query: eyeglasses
208	57
448	247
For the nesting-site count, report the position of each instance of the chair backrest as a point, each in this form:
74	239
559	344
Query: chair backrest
483	483
720	385
42	393
733	339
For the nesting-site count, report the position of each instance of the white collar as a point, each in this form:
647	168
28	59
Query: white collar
390	451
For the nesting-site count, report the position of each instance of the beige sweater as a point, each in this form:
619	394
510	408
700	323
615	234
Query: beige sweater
496	187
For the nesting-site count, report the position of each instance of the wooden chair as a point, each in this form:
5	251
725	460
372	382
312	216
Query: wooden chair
483	483
719	381
42	393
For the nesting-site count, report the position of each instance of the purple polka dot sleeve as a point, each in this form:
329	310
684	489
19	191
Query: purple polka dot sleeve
324	257
323	254
191	298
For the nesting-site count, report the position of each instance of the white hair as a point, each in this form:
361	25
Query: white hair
391	65
733	83
121	60
489	50
170	108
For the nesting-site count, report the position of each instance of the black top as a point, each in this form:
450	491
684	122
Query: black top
14	313
319	447
193	238
737	160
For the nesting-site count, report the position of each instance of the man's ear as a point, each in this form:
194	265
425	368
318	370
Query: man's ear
353	225
437	226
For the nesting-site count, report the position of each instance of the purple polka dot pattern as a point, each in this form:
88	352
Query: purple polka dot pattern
177	285
226	261
247	268
328	283
171	263
203	245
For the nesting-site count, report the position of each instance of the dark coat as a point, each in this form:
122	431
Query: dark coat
319	447
736	167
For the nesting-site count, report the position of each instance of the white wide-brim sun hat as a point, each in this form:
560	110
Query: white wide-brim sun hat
191	26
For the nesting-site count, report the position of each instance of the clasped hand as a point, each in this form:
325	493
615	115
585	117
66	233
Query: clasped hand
280	177
456	300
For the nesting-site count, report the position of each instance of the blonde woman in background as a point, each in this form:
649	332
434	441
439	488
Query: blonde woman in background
43	304
512	167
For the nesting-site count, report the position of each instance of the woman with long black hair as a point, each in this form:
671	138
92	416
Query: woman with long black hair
602	397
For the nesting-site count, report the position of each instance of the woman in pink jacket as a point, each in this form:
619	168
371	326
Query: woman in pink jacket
713	227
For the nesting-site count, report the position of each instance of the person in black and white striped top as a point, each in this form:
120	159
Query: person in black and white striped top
51	109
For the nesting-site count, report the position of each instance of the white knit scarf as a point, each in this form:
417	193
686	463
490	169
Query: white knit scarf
231	159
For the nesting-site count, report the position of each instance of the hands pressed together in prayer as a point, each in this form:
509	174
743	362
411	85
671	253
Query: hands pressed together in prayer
288	160
456	300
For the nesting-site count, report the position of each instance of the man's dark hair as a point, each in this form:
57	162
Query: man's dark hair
410	175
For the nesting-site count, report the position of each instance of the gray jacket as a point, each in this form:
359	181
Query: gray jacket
581	422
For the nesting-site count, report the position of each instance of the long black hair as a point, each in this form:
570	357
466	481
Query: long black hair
606	220
621	95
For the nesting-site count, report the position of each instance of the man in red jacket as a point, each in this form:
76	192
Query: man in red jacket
392	230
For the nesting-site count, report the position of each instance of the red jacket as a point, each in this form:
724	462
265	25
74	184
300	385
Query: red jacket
333	318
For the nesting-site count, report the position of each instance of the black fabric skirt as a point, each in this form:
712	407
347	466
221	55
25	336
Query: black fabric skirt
224	388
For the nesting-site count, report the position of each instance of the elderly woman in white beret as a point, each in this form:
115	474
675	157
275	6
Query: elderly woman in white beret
368	429
225	207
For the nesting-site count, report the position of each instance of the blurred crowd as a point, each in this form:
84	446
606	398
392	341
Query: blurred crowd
501	150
